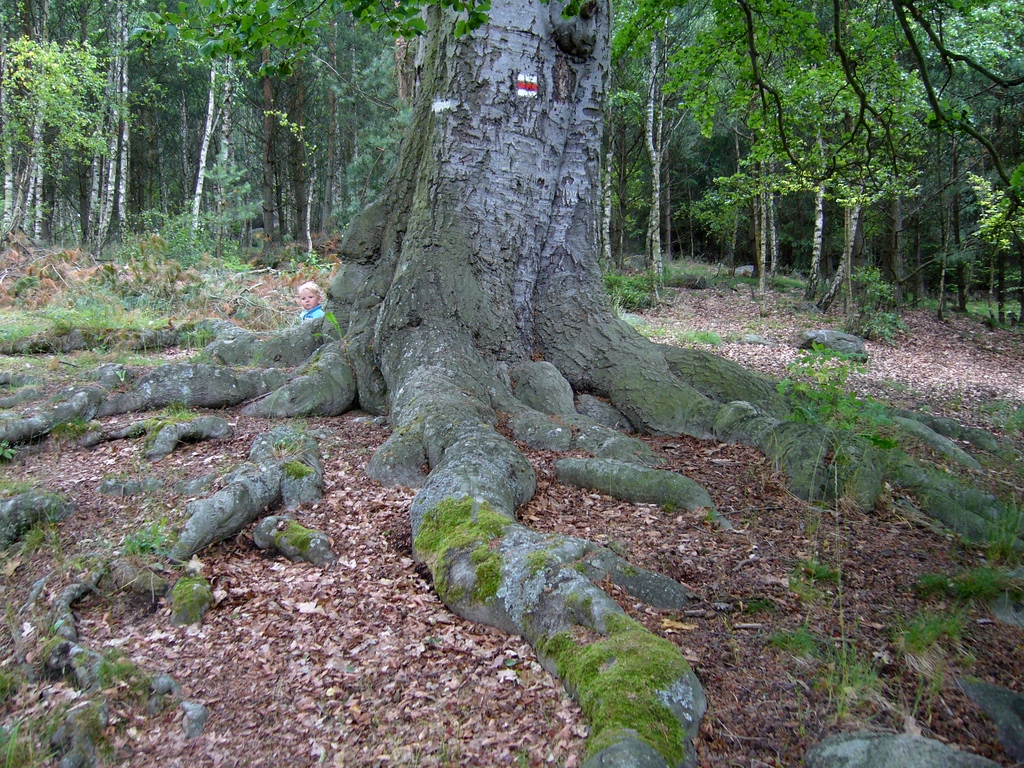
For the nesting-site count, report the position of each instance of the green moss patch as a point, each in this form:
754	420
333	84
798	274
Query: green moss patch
453	527
190	598
300	537
296	470
616	682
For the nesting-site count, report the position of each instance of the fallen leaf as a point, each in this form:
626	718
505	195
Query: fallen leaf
12	565
669	624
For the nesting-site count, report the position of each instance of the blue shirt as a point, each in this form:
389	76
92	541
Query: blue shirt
312	314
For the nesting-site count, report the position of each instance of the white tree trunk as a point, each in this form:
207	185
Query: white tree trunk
8	150
851	219
654	122
204	147
817	243
852	231
123	169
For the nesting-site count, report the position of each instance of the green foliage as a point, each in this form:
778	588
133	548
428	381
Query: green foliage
39	536
1004	534
699	337
6	451
123	676
243	29
632	292
848	676
1005	415
799	642
16	747
979	584
69	430
59	86
10	682
817	393
153	539
164	237
814	571
10	487
926	629
876	301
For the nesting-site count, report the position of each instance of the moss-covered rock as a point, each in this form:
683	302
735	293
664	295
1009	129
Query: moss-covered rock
191	597
296	454
294	541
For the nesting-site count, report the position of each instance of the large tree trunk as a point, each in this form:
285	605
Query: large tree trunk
480	260
470	296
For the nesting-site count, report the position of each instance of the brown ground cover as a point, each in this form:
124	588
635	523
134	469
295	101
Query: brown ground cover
361	665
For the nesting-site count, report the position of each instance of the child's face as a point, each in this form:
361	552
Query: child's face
308	299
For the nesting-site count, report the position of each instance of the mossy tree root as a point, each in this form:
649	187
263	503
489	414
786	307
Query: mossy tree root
487	567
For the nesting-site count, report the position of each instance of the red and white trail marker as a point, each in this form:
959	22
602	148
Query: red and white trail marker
526	85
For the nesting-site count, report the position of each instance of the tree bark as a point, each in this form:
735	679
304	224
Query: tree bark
654	119
204	147
330	169
842	276
814	278
481	259
269	207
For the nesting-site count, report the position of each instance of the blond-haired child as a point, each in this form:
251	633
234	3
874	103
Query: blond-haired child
311	298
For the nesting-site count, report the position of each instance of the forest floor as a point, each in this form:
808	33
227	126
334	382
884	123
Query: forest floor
801	628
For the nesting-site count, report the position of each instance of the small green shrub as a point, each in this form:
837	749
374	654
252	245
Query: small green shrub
6	451
1003	536
152	539
817	392
814	571
10	682
40	536
69	430
848	676
876	302
123	675
16	747
759	605
632	292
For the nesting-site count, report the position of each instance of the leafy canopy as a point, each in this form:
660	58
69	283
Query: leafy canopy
279	30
